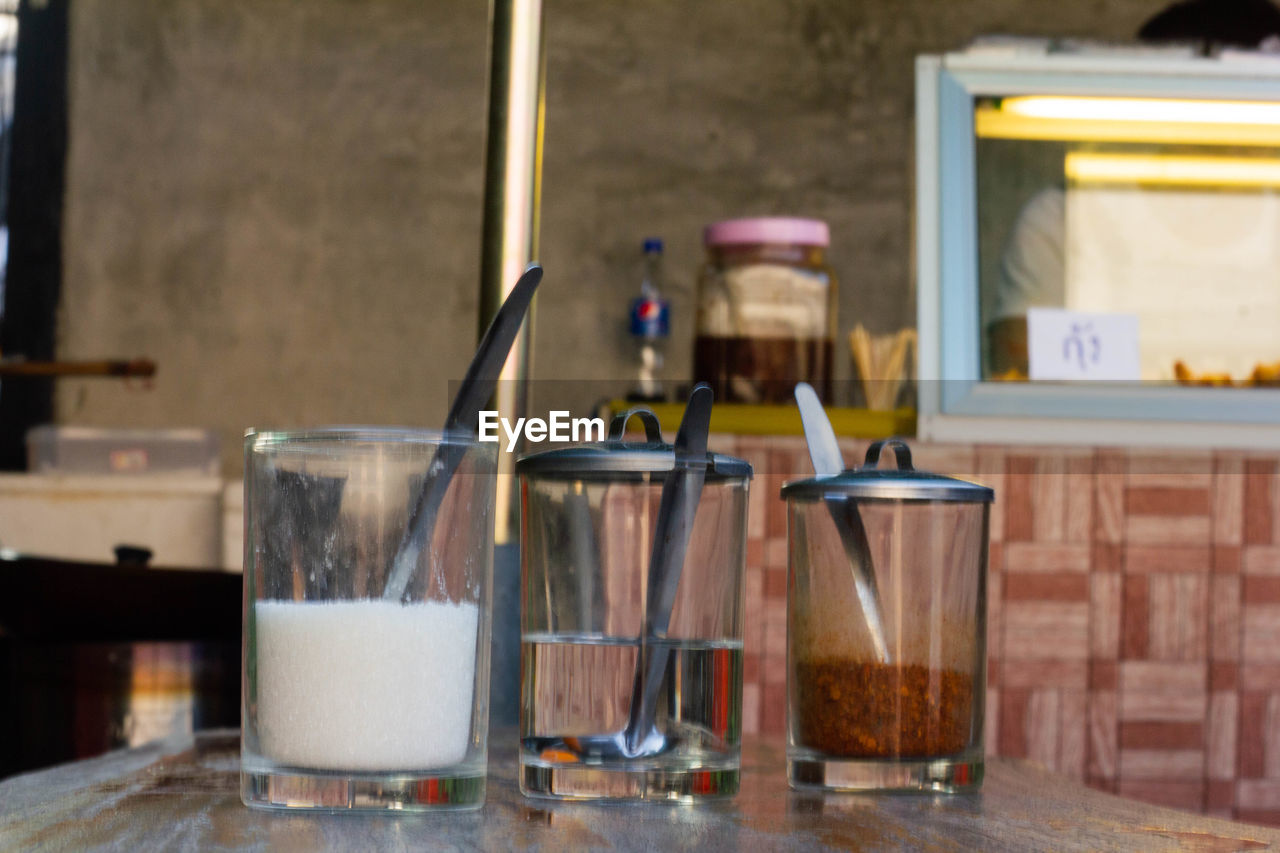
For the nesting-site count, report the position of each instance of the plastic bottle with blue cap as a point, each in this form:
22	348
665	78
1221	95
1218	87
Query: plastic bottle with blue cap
650	327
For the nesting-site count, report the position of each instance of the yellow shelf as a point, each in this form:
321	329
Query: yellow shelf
744	419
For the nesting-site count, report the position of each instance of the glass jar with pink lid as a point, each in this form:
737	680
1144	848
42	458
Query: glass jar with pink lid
766	309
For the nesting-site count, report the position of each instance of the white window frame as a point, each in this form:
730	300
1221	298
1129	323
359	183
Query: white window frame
954	404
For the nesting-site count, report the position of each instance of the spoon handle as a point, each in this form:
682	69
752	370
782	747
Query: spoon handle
824	448
463	420
482	374
824	451
857	548
680	497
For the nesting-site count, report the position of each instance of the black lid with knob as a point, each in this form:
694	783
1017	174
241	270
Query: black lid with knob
904	483
617	458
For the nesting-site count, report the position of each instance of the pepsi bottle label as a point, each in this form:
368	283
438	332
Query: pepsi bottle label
650	318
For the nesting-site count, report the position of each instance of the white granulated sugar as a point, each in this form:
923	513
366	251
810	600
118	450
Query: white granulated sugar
365	685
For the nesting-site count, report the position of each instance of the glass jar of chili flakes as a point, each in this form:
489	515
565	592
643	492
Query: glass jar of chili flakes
886	628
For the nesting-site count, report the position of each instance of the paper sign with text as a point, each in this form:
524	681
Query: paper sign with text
1075	345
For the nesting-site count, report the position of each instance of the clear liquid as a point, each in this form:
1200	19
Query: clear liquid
576	686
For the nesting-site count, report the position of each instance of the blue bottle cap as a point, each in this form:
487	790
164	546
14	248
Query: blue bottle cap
652	244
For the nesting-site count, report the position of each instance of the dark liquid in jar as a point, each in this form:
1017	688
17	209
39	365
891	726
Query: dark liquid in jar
762	370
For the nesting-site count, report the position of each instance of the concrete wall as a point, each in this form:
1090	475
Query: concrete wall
280	201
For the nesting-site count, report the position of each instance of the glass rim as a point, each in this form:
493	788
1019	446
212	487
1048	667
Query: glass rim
266	438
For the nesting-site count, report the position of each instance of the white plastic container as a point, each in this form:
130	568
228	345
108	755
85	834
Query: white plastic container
95	450
84	517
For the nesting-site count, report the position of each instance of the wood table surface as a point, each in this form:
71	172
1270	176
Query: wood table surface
183	794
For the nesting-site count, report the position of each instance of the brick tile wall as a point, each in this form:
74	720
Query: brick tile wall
1133	613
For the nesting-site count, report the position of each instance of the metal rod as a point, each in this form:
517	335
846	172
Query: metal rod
138	367
512	194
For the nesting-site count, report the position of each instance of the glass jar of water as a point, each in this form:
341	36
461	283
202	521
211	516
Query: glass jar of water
588	522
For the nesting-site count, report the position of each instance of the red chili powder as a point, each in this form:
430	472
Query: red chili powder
870	710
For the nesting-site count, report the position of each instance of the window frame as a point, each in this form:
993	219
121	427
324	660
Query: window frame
955	404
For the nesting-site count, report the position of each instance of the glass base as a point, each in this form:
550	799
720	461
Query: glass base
946	775
343	792
601	782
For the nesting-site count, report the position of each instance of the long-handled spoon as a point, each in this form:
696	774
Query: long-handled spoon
676	512
824	450
679	505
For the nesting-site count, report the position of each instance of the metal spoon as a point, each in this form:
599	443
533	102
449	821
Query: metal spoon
824	450
464	419
680	496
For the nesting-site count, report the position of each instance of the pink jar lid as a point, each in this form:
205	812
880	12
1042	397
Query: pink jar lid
767	229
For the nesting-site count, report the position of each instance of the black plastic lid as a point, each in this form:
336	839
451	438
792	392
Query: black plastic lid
901	483
617	457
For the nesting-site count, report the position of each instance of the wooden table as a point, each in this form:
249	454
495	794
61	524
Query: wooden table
183	794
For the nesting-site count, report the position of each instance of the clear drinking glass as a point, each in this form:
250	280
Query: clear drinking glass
354	698
904	712
587	530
